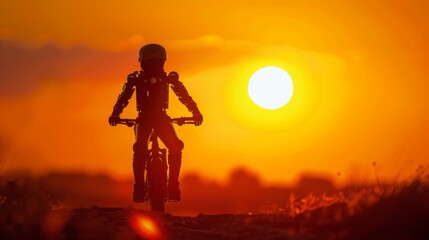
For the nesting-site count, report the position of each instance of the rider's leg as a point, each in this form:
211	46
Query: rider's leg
174	162
175	146
140	156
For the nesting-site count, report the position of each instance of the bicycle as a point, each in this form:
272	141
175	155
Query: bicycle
156	166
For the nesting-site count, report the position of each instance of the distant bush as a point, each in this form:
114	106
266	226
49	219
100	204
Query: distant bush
22	210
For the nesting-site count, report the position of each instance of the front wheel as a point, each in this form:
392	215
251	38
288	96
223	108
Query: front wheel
157	182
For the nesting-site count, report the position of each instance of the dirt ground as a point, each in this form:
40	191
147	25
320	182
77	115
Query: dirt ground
396	212
129	223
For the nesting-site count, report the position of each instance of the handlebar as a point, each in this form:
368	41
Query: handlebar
179	121
183	120
128	122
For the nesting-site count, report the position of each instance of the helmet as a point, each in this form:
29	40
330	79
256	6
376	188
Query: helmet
152	51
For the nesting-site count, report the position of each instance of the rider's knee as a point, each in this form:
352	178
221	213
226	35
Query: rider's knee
181	145
140	151
177	147
139	147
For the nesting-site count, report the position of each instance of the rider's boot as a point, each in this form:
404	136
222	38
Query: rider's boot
139	194
174	163
139	166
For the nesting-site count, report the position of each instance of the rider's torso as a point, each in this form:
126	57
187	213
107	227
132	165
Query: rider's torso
152	93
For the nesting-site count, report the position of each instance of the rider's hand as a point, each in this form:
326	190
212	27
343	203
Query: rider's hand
113	120
198	117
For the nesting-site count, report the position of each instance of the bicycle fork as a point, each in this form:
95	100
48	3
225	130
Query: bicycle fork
157	170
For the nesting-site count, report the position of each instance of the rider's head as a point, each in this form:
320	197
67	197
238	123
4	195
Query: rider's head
152	57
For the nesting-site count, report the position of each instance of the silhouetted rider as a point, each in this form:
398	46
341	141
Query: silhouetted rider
152	87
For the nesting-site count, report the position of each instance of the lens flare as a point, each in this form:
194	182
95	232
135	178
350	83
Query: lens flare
145	227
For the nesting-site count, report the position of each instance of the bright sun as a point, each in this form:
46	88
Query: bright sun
270	87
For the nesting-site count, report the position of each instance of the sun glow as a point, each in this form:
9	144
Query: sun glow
270	87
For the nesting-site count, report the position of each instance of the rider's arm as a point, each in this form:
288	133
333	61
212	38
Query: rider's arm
184	97
125	95
181	92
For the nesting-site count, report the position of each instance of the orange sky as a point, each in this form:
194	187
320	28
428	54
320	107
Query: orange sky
360	71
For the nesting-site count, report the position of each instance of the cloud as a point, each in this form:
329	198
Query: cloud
24	69
5	32
211	42
215	46
120	45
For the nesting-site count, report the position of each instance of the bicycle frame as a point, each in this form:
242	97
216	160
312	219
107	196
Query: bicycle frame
156	165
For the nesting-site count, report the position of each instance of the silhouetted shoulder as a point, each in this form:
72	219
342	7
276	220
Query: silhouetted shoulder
132	77
173	77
